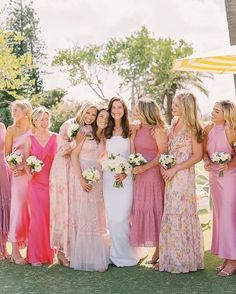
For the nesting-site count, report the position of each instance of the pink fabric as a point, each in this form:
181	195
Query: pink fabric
19	215
5	189
39	249
223	193
148	195
89	238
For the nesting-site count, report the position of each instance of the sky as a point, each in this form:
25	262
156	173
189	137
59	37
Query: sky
201	23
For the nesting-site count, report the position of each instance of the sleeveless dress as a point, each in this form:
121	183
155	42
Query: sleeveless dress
5	189
39	249
181	239
118	203
19	214
59	192
89	237
223	194
148	195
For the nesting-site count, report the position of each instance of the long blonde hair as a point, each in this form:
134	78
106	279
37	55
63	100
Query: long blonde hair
83	109
190	113
149	112
229	111
23	104
38	113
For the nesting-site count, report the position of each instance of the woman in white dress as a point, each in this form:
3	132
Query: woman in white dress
118	201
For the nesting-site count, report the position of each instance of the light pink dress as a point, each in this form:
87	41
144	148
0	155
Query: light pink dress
89	238
148	195
181	239
5	189
39	249
59	191
19	215
223	192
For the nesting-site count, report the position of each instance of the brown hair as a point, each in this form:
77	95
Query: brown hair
95	128
111	122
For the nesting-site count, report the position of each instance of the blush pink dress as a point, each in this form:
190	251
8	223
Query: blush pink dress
89	237
19	215
5	189
39	249
223	192
148	194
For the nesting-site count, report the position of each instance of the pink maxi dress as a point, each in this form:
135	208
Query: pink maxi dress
223	192
148	195
5	189
39	249
19	214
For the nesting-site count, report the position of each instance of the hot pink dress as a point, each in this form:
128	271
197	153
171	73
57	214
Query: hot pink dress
223	193
5	189
148	195
19	215
39	249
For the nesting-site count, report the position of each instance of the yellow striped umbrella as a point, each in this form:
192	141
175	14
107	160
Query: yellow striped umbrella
221	62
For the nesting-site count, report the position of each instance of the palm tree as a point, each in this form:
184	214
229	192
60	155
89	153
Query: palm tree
230	7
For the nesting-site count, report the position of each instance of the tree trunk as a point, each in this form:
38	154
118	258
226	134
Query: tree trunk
230	7
169	116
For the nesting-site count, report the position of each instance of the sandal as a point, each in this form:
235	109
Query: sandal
224	273
155	267
62	259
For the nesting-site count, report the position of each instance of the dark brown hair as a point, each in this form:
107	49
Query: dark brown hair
111	122
95	127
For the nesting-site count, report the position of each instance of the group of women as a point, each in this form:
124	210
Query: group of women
92	225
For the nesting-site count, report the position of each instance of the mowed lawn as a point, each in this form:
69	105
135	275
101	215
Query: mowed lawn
138	279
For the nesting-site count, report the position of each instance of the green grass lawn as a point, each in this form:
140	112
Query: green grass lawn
138	279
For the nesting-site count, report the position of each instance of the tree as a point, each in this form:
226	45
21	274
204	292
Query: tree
230	7
84	66
22	21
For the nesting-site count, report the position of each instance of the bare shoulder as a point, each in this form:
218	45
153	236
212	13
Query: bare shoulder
11	130
207	128
2	126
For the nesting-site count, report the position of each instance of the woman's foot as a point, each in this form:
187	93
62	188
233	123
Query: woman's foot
221	267
155	267
153	260
229	269
62	259
18	259
36	264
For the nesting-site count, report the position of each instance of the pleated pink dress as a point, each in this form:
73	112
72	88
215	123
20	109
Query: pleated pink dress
39	249
19	213
5	189
148	195
223	192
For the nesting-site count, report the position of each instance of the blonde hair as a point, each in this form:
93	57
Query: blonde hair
23	105
190	113
229	111
149	112
83	109
38	113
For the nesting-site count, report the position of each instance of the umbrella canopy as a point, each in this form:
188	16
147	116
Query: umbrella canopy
218	62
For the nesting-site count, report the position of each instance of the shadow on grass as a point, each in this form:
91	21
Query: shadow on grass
137	279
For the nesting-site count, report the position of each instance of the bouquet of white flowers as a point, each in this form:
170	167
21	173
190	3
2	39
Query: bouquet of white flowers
91	175
72	131
14	158
136	159
35	164
221	158
136	122
118	165
167	160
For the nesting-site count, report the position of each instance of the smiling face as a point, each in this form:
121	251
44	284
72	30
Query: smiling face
217	115
90	115
176	108
42	122
117	110
102	119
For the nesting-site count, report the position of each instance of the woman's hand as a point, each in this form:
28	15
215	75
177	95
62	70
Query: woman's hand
18	172
223	167
207	166
85	185
120	177
12	167
169	173
138	169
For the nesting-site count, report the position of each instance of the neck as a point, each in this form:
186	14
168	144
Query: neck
99	132
218	123
41	132
117	123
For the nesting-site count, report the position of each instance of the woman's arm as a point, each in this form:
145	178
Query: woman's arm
26	155
76	166
8	145
161	138
196	157
231	136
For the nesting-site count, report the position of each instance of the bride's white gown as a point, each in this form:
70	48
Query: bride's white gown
118	203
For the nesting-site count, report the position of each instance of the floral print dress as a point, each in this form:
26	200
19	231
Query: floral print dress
181	240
